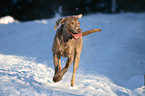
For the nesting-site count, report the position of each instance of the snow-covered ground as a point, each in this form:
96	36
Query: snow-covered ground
112	61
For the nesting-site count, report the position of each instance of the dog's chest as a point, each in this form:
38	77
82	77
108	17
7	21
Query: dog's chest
65	49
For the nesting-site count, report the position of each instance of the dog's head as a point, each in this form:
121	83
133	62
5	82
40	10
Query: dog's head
70	23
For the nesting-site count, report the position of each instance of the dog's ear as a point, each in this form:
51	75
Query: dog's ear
77	16
58	22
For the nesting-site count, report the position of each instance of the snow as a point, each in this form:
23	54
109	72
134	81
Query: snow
7	20
112	61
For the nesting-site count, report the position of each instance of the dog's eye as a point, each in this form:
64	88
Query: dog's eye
72	23
79	23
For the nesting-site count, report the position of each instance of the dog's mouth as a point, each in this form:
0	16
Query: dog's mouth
77	34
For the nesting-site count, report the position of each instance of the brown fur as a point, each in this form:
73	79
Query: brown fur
66	46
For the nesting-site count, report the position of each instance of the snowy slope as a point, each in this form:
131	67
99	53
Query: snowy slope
112	61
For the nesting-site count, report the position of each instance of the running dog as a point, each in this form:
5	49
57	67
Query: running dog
68	43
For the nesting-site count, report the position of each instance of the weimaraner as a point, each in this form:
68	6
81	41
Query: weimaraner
68	43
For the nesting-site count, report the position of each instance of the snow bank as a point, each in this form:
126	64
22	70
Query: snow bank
20	76
138	91
7	20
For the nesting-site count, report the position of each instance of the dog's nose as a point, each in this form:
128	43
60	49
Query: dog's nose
79	30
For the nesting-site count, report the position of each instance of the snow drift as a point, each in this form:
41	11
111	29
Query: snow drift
7	20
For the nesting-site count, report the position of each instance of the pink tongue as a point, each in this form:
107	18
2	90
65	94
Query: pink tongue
76	36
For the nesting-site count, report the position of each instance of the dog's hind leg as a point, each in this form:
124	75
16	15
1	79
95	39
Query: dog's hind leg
57	63
60	74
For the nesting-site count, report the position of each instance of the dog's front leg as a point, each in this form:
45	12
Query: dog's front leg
60	74
75	66
57	63
78	50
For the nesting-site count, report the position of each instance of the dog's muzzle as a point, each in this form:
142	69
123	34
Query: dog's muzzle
76	35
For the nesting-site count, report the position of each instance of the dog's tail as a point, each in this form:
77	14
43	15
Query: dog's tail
90	32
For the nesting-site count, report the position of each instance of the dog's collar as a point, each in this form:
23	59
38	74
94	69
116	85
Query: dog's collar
75	36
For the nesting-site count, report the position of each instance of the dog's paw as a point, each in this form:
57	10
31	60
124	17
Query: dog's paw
72	82
57	78
72	85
